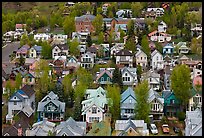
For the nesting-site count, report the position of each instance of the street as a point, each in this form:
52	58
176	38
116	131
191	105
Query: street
7	50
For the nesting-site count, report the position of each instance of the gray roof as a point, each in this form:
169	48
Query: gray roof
124	52
62	46
131	71
155	95
88	16
71	128
38	48
128	92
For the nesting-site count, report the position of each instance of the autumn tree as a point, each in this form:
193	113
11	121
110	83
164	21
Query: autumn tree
97	23
113	93
142	107
69	26
180	83
145	45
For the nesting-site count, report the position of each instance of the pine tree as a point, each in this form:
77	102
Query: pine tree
89	41
117	77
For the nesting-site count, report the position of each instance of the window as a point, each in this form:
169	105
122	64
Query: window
125	74
102	79
108	79
93	110
144	58
130	100
150	79
56	49
15	103
141	58
157	58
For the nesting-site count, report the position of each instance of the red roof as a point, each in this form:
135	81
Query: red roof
20	25
154	32
197	81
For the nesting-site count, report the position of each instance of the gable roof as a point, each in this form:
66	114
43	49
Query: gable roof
88	16
140	52
155	52
37	48
131	71
168	45
154	95
128	92
124	52
23	49
28	90
194	92
102	73
61	46
92	49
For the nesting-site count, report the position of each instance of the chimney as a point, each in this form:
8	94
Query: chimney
20	130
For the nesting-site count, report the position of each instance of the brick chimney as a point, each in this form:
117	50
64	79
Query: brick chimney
20	130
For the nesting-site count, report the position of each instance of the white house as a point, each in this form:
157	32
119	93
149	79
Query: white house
95	105
20	27
153	79
124	57
141	59
156	105
60	50
158	11
129	76
82	49
116	48
87	60
196	29
162	27
80	36
193	123
195	73
61	38
21	100
35	51
157	61
183	49
123	13
195	100
159	36
43	37
72	61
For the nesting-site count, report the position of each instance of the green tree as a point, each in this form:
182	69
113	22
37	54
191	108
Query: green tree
99	10
73	47
117	77
84	77
130	45
145	45
136	8
21	60
77	109
104	27
97	23
130	29
113	93
9	88
24	40
46	50
180	83
159	47
69	26
196	45
18	80
79	91
122	34
89	41
142	107
100	38
139	72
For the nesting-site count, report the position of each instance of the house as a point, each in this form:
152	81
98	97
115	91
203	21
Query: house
168	49
19	127
17	70
106	50
28	79
183	58
20	27
167	75
193	64
131	128
84	23
183	49
116	48
72	61
124	13
105	76
154	12
8	36
121	26
42	37
193	123
140	23
141	59
157	60
22	100
87	60
70	127
124	57
153	79
60	50
159	36
108	22
152	46
80	37
61	38
129	76
31	63
69	4
162	27
94	106
92	49
35	51
50	107
41	128
195	73
197	80
196	30
22	51
127	104
82	49
171	103
195	100
156	105
105	7
102	128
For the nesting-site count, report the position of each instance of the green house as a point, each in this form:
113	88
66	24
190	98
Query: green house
171	103
105	77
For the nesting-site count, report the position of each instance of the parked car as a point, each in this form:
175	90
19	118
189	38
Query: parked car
176	129
153	129
165	128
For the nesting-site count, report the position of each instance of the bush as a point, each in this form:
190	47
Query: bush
180	133
181	116
164	120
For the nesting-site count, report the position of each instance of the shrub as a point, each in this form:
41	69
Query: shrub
180	133
164	120
181	116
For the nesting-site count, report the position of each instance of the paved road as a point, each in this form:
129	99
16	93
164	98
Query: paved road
6	51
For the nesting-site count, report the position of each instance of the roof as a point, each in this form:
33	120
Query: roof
197	80
71	128
4	74
121	26
131	71
88	16
168	45
124	52
102	73
155	52
37	48
28	90
30	60
23	49
155	95
20	25
194	92
100	129
154	32
92	49
128	92
61	46
140	52
184	57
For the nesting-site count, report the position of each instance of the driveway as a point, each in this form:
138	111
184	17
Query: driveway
8	49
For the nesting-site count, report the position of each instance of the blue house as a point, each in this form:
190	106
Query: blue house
127	105
171	103
168	49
